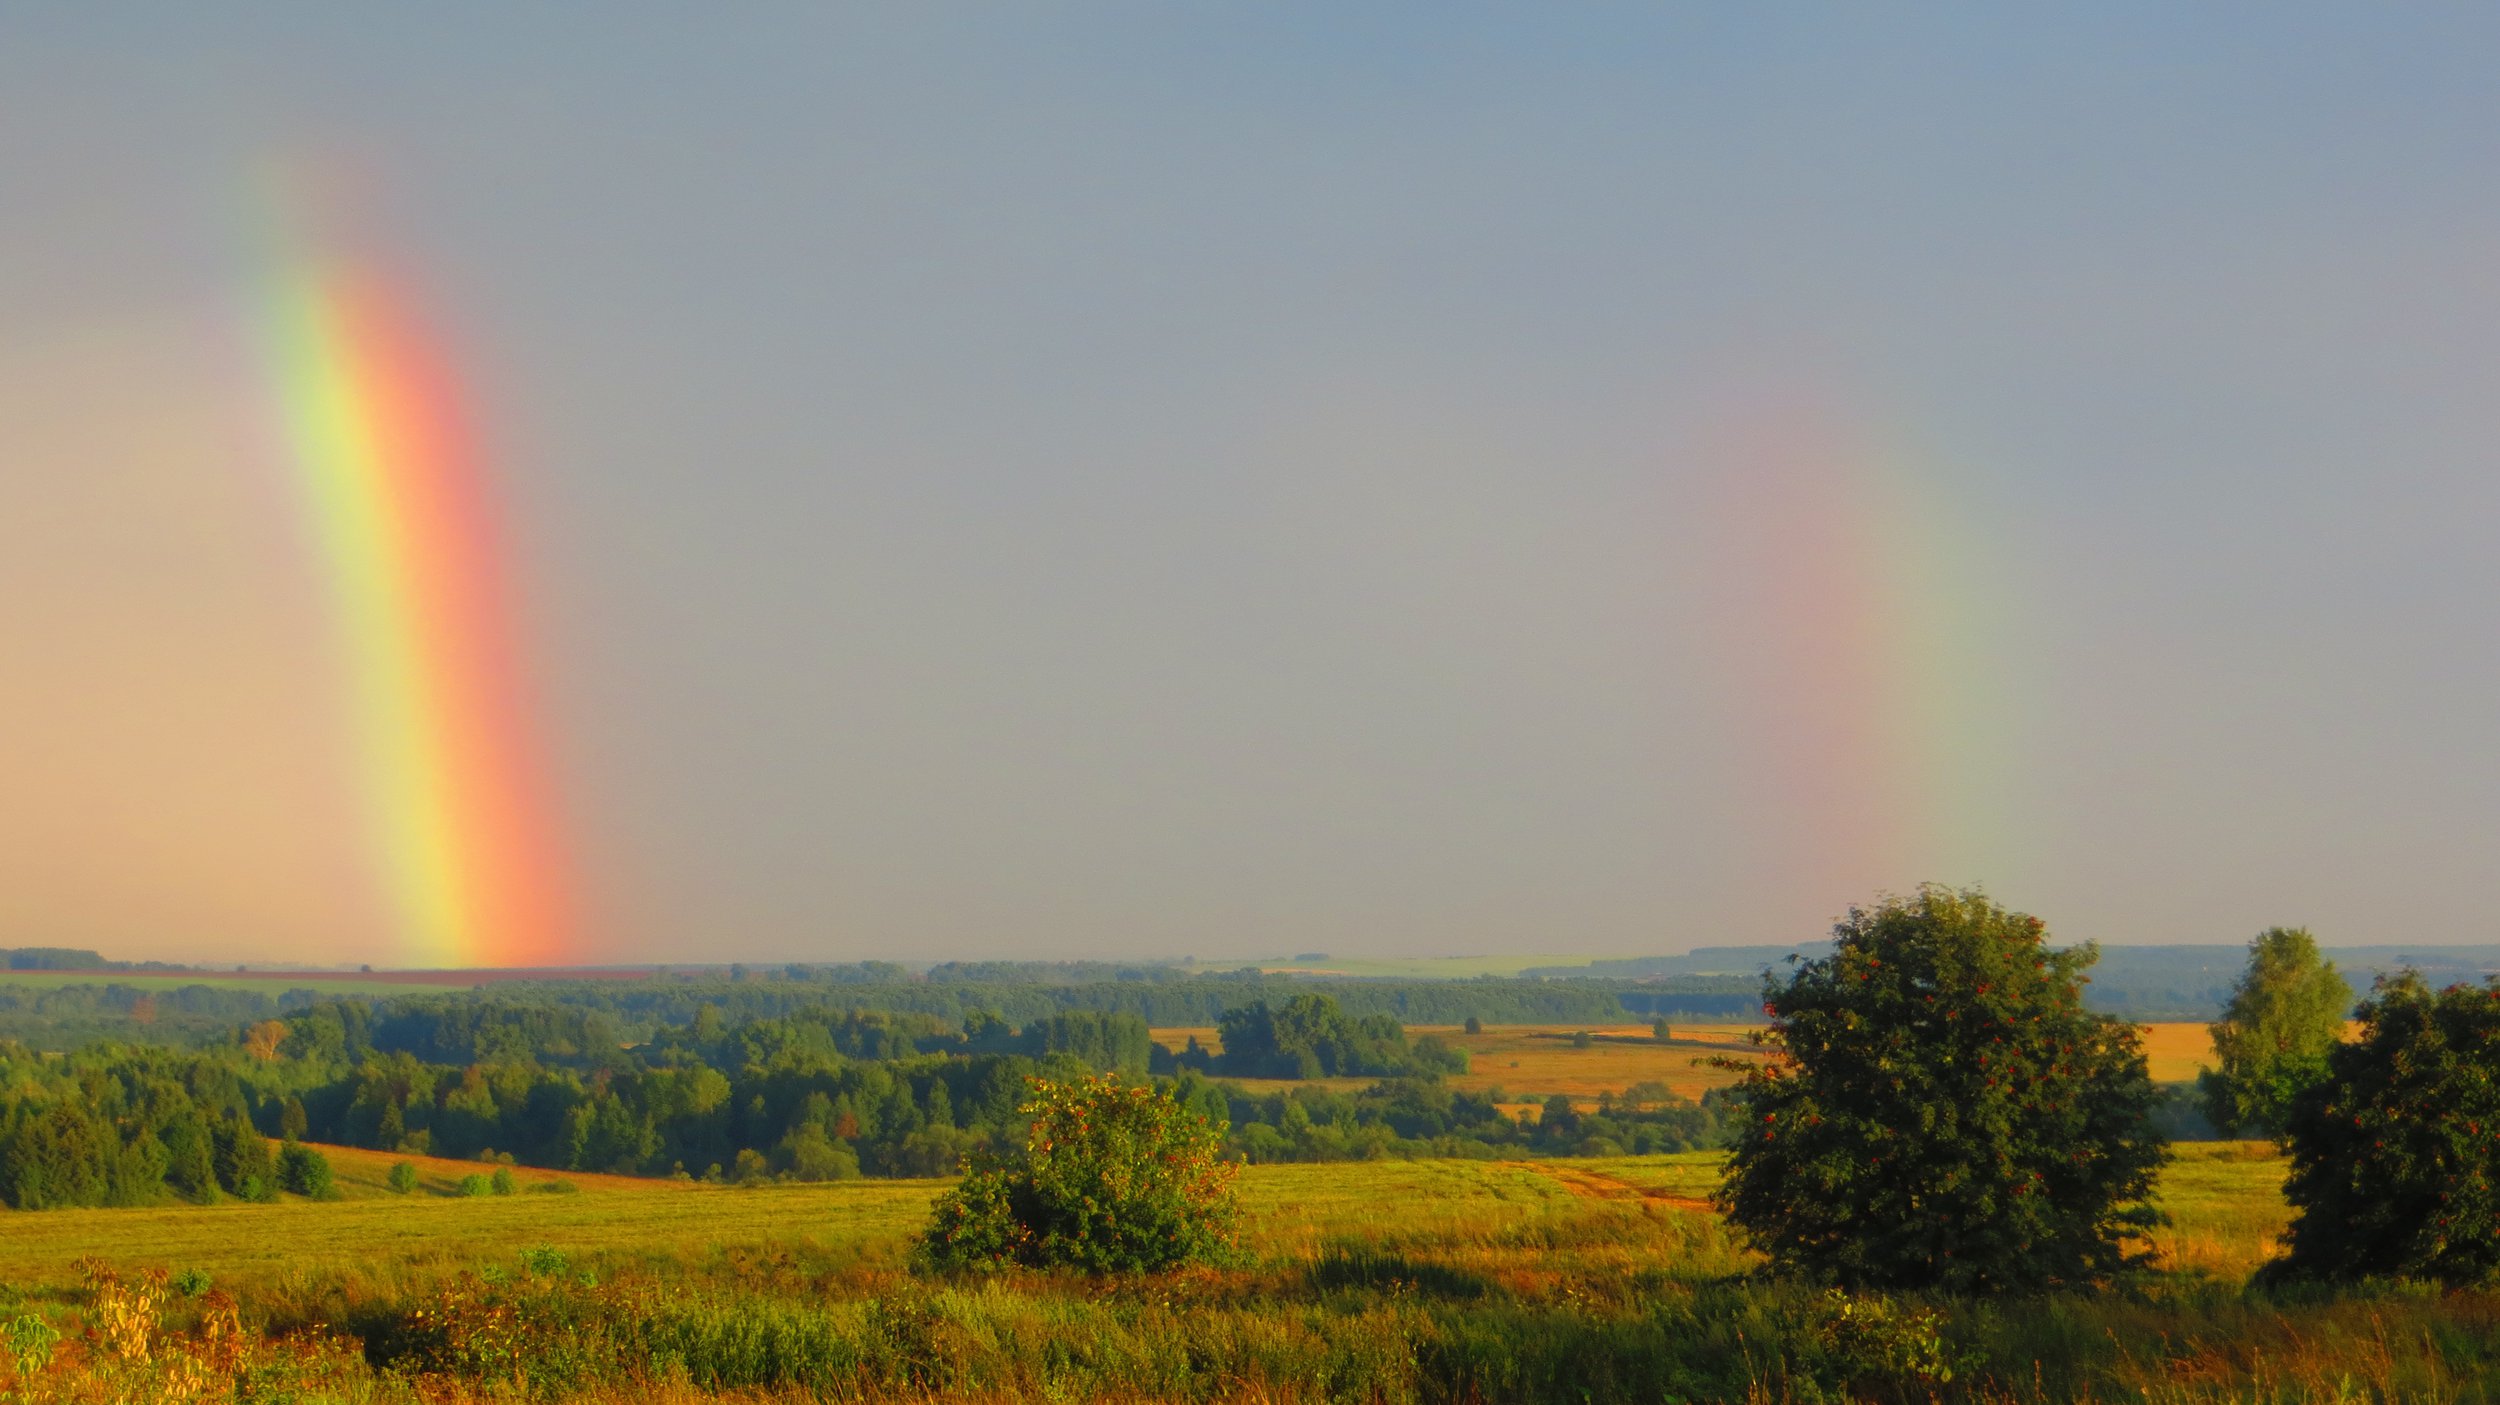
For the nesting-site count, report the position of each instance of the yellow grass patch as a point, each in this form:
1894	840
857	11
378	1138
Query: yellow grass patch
2177	1051
1529	1063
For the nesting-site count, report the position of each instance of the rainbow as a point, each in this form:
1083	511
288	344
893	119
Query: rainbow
1868	645
393	490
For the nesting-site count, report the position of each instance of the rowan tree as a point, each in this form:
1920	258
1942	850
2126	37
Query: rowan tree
1940	1111
2395	1151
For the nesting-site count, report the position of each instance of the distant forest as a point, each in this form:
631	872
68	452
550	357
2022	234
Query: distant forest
69	1016
815	1092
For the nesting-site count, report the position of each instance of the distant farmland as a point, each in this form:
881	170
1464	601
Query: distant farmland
1534	1062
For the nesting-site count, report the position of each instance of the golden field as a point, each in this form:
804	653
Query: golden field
1529	1063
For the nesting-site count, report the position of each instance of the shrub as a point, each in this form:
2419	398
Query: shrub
403	1177
1941	1111
305	1172
473	1184
544	1261
1877	1347
1113	1178
2396	1152
2286	1014
502	1183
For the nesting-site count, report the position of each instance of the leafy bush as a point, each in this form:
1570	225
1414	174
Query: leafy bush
473	1184
544	1261
305	1172
1942	1111
502	1183
403	1177
1113	1178
1879	1348
2396	1151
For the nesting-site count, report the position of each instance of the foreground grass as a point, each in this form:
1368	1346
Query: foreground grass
1604	1280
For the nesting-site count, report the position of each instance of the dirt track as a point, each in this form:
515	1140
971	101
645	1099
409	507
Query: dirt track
1597	1185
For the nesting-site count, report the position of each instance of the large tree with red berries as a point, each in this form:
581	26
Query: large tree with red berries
1940	1111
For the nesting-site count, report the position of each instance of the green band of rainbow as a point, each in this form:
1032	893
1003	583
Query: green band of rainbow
455	777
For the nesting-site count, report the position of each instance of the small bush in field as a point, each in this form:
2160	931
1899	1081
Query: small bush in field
2396	1151
305	1172
1113	1178
502	1183
403	1177
473	1184
1881	1348
543	1261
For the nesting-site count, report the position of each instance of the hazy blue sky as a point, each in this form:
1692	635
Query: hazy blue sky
1063	480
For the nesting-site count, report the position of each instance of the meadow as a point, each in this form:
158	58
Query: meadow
1582	1278
1597	1279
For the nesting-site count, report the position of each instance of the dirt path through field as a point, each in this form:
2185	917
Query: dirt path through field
1597	1185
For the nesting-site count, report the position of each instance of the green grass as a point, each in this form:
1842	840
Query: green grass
1597	1279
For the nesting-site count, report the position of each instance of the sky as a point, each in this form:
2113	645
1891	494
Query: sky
1071	481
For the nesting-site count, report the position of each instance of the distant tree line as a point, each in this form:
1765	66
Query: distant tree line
816	1094
67	1017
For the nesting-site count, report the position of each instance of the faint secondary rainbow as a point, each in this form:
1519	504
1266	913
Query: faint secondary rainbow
1869	643
395	495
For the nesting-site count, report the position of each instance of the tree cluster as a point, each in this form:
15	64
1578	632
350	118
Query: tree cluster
1310	1036
135	1128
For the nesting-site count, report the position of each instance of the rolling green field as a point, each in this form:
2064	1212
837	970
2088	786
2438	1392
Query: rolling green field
1598	1279
2224	1199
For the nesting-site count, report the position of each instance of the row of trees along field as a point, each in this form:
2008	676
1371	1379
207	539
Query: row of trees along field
1945	1114
65	1016
816	1094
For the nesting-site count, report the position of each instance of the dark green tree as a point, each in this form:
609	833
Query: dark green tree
57	1157
190	1156
1113	1178
1940	1111
2396	1151
241	1156
2272	1041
